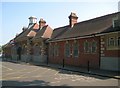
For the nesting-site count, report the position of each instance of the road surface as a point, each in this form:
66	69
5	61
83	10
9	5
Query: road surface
14	74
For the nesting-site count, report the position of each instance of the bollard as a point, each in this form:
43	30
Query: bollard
88	66
63	63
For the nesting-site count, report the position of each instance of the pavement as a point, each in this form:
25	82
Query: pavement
104	73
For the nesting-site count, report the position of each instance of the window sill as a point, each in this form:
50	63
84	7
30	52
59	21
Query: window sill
113	48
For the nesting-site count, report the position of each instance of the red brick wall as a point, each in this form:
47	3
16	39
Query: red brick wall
7	52
112	53
58	59
93	58
82	59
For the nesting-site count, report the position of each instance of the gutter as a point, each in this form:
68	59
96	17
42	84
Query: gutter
79	37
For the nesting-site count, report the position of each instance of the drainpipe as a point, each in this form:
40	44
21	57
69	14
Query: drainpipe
99	50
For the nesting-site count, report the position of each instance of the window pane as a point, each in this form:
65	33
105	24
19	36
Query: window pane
94	47
67	50
116	23
75	49
56	50
111	41
87	47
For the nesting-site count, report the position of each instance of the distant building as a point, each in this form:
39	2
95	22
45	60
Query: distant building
22	48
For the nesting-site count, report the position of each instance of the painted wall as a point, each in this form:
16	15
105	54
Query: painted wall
110	57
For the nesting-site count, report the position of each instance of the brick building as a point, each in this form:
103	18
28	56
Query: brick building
22	47
39	47
94	43
86	43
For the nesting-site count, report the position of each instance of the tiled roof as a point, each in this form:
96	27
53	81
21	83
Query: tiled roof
9	44
59	31
45	32
31	32
34	30
92	26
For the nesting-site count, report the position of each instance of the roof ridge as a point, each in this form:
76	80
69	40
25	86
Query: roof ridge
107	15
89	19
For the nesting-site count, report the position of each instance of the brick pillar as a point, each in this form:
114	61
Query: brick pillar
29	50
102	46
43	49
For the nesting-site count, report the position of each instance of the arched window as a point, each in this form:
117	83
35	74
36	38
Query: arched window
37	50
24	49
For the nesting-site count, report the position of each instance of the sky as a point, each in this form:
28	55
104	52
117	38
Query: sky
15	14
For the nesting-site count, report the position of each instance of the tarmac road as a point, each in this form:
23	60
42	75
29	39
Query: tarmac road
14	74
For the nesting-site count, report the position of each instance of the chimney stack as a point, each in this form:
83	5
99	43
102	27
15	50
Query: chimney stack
72	19
24	28
32	20
42	23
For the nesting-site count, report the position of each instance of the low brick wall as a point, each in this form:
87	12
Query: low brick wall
39	58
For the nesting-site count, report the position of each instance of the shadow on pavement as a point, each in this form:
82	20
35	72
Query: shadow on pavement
82	74
31	84
6	83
